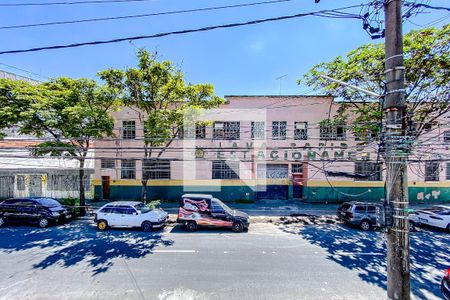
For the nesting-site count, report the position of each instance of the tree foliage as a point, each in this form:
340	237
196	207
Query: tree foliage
427	79
68	113
158	89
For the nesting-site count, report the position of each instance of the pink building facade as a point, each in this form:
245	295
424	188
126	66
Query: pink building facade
260	147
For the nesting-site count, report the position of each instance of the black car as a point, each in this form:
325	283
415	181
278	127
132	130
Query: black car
41	211
445	285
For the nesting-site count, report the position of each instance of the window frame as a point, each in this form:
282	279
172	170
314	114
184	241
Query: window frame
227	132
220	169
300	134
374	170
128	130
158	172
260	127
279	130
131	169
104	163
434	176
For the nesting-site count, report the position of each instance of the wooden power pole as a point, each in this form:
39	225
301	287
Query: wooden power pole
398	274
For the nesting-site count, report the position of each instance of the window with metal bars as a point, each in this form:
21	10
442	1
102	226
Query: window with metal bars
330	132
447	172
258	130
155	169
108	163
432	171
128	169
222	169
297	168
300	131
367	171
279	130
128	130
190	132
226	130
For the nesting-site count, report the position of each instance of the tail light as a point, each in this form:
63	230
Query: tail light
447	274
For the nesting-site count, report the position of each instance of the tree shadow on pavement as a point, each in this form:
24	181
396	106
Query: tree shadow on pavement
78	242
365	252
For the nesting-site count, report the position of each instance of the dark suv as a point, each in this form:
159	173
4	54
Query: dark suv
358	213
41	211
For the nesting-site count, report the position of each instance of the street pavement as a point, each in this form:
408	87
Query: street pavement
75	261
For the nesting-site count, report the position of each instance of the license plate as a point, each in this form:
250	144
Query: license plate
68	216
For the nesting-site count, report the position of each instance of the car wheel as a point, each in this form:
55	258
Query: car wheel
237	227
2	221
365	225
190	226
43	222
102	225
146	226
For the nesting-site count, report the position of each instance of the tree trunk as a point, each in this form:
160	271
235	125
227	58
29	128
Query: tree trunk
81	181
144	190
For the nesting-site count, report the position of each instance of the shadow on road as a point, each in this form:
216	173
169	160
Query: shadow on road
365	252
178	229
73	243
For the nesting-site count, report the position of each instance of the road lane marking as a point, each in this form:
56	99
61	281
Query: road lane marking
174	251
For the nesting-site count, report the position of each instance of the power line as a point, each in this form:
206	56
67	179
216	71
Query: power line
70	3
143	15
323	13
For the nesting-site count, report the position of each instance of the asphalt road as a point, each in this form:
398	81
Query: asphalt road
75	261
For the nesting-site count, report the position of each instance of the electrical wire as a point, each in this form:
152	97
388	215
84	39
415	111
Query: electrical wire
185	31
69	3
143	15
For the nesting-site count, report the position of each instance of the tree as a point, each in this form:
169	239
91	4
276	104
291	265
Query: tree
427	63
158	90
71	113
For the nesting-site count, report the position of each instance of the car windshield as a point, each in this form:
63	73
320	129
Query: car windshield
225	207
47	202
142	208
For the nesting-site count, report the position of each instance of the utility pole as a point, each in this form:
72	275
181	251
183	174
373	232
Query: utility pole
398	274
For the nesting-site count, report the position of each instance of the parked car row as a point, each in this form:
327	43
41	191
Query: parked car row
195	210
364	215
37	210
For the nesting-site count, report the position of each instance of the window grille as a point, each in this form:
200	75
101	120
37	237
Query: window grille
128	130
108	163
155	169
226	130
330	132
128	169
300	131
222	169
258	130
432	171
279	130
297	168
367	171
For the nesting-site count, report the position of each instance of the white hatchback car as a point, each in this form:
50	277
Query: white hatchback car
436	216
129	214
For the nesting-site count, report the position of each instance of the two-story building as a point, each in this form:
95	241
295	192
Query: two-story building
260	147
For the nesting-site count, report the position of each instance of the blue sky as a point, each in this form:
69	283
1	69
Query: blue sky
238	61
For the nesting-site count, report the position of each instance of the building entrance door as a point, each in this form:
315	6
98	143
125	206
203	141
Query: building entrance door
105	187
297	185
